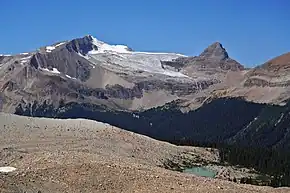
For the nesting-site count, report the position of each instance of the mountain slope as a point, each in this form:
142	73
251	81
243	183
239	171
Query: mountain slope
231	121
53	155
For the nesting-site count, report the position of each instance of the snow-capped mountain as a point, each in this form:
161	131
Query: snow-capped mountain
87	70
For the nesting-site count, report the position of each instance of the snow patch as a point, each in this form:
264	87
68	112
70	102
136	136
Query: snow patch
59	44
84	56
54	70
5	55
25	59
7	169
159	53
68	76
51	48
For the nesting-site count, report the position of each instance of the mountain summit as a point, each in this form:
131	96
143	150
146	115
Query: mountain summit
91	45
214	58
215	51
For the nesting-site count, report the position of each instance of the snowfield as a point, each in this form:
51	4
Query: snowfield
104	47
121	58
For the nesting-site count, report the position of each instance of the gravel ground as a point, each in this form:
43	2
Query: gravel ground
53	155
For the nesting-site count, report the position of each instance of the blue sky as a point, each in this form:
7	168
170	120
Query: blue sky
252	31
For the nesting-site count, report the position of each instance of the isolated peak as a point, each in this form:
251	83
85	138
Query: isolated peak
215	51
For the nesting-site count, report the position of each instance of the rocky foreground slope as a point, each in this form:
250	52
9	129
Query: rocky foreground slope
53	155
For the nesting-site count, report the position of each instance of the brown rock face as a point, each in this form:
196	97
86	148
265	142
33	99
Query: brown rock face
216	56
273	73
280	63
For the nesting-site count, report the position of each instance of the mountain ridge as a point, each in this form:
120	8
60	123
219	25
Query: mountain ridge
89	70
96	67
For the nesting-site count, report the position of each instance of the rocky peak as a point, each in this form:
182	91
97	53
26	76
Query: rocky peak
213	57
82	45
91	45
215	51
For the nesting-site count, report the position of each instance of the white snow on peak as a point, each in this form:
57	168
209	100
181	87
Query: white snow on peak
25	59
68	76
5	55
138	61
122	49
51	48
54	70
159	53
122	58
7	169
104	47
59	44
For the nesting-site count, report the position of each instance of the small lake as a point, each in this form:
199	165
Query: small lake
200	171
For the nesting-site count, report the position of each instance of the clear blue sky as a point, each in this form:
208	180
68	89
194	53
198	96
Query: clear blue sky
252	31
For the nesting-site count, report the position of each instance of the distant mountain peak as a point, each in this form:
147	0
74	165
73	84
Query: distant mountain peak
215	51
97	46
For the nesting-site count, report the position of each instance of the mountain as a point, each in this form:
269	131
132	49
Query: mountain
87	70
212	96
